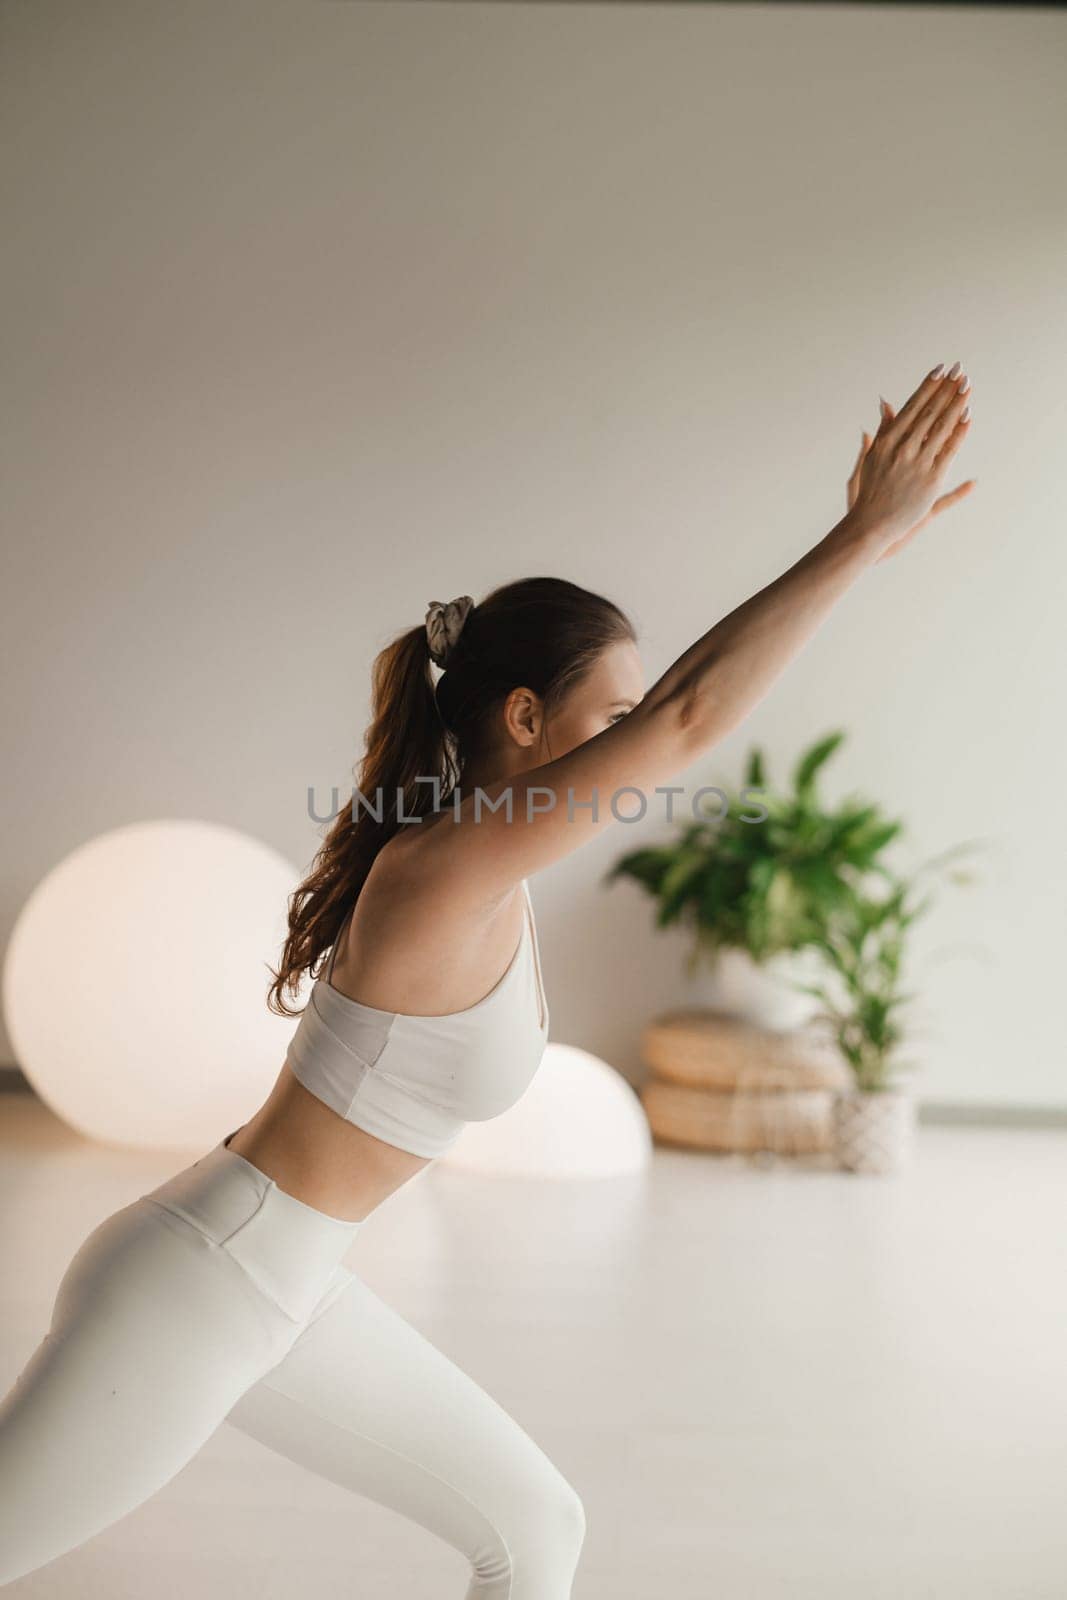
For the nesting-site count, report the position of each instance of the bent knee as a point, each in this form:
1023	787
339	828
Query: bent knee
541	1540
552	1504
569	1514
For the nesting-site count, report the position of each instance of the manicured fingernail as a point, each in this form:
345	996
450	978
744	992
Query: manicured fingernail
938	370
965	386
965	413
953	371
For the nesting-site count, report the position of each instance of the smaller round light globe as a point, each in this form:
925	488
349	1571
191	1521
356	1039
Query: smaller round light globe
135	983
578	1119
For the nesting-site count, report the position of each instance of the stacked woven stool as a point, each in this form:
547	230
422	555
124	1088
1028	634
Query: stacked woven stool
720	1082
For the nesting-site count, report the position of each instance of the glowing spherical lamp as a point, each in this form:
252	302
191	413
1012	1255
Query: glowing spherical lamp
135	983
578	1119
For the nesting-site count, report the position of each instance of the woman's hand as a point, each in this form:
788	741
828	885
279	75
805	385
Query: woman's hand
899	471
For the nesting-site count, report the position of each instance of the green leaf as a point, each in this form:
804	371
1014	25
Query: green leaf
870	841
812	760
677	882
647	867
755	772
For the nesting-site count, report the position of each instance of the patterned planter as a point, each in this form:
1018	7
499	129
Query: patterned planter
873	1131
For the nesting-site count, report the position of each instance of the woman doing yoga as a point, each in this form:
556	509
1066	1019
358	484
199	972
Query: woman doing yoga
223	1294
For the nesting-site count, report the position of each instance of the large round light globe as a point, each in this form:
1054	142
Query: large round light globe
578	1119
135	983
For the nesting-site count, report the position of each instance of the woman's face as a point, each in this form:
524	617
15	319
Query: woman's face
611	688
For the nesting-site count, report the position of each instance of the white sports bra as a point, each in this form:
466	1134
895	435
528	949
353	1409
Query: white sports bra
415	1081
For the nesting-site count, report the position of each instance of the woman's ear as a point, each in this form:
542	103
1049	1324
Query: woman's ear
523	717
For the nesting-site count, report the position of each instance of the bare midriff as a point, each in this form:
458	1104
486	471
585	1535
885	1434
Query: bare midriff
319	1158
309	1150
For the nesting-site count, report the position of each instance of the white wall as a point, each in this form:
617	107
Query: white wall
317	311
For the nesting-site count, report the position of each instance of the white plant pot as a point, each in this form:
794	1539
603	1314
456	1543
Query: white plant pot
762	993
873	1130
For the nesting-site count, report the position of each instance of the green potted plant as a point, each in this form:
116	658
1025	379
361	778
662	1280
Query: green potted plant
864	1006
758	878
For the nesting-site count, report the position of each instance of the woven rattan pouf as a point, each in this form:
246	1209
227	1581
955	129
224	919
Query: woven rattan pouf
718	1082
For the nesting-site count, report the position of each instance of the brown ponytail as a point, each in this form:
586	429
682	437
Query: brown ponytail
541	633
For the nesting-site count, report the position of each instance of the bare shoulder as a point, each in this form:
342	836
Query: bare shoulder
419	878
418	941
458	865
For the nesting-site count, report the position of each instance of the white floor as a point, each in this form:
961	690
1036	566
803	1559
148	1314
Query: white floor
768	1383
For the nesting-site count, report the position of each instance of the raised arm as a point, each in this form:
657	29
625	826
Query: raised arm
518	825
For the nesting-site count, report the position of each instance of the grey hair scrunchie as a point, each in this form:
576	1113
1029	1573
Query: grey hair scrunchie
444	624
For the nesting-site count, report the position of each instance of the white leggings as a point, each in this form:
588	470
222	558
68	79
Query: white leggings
217	1296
